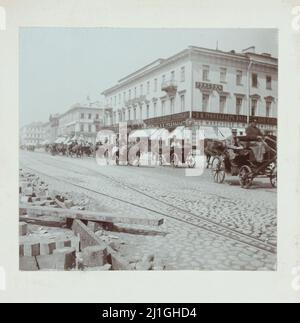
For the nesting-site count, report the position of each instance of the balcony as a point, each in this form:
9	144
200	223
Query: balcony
137	100
170	87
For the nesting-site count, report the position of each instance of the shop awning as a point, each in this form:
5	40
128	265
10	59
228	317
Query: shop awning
181	132
160	133
142	133
224	133
59	140
209	133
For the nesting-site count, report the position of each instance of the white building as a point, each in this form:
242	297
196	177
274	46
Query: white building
32	134
199	86
82	120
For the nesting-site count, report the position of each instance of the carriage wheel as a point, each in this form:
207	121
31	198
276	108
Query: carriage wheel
218	170
106	157
273	177
174	160
245	176
191	162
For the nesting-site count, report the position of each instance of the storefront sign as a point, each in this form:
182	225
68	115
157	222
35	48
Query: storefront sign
169	121
210	116
209	86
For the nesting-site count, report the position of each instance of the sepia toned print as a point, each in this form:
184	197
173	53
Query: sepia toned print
166	165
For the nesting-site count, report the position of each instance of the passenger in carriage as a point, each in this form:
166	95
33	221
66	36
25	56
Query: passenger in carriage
233	144
257	148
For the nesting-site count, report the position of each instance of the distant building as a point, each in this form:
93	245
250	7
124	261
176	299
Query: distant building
199	87
53	131
82	120
32	134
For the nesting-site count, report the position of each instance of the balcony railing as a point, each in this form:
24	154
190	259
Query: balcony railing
136	100
169	86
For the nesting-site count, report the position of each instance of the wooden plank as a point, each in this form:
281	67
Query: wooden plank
88	238
44	221
60	204
87	215
137	230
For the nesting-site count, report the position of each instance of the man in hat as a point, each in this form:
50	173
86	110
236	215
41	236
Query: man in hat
233	145
252	131
233	141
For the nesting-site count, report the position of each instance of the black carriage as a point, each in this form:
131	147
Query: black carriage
244	165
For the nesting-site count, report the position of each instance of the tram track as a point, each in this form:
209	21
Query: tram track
186	217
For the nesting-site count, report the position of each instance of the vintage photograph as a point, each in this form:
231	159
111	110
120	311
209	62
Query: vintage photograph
148	149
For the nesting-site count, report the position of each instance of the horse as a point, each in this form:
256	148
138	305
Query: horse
87	150
212	148
75	149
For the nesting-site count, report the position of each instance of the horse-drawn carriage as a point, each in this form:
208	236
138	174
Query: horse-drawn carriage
241	161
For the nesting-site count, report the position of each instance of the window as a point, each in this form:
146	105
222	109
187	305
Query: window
90	128
129	114
97	127
119	98
172	100
239	77
223	73
90	116
97	116
129	94
238	104
163	103
253	107
182	102
163	78
147	111
182	74
124	96
268	108
155	85
154	109
254	80
141	89
135	92
115	100
148	87
173	76
222	103
269	83
205	73
205	99
120	116
141	112
134	114
82	116
81	127
123	118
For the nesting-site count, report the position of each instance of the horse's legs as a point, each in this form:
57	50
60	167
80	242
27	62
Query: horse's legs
208	157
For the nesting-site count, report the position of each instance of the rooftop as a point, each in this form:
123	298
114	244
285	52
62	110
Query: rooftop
246	54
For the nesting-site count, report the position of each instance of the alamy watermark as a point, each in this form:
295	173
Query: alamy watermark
152	149
2	18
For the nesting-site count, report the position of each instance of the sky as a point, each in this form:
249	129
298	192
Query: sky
62	66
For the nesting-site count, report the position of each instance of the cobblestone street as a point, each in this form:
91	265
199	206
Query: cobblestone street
210	226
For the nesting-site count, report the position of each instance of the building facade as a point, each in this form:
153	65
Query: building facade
32	134
82	120
199	86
